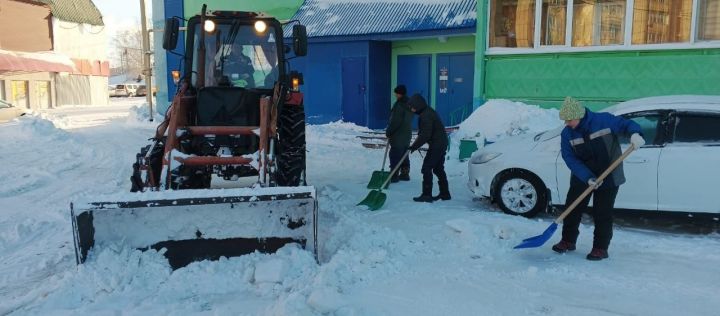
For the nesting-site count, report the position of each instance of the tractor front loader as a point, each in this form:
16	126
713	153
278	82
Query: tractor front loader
237	115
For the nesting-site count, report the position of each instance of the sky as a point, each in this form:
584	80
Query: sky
119	15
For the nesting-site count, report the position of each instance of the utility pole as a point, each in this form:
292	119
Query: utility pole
147	70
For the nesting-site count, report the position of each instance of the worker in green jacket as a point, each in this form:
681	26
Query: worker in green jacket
399	133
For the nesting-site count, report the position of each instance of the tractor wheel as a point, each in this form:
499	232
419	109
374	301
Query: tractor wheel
291	147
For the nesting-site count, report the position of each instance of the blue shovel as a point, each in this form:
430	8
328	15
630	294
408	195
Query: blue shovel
539	240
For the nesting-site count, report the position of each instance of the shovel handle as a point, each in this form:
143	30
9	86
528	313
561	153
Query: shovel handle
387	148
394	170
590	188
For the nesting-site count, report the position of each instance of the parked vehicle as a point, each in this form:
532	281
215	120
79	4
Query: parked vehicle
141	90
676	171
9	111
119	90
132	89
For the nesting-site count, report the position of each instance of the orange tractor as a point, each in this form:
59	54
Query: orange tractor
238	121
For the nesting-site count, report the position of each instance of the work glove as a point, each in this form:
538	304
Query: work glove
594	183
636	140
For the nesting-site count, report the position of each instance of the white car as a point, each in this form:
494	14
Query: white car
678	169
9	112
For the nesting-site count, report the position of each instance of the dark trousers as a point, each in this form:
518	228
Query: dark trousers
396	153
434	163
602	213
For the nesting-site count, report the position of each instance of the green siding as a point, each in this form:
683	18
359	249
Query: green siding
602	78
280	9
456	44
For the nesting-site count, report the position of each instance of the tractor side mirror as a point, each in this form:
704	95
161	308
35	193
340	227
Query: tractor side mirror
170	35
299	40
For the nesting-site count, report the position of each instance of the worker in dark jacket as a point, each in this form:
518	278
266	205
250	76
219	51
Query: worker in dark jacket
431	131
399	132
589	145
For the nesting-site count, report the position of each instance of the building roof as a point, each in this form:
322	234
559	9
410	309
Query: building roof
78	11
325	18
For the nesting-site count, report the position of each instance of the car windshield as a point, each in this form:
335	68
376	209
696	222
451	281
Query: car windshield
237	55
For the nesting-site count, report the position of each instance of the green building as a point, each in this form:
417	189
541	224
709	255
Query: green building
599	51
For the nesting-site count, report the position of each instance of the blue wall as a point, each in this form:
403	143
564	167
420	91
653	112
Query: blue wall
322	71
174	8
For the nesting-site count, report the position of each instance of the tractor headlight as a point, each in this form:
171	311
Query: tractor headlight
260	26
484	157
209	26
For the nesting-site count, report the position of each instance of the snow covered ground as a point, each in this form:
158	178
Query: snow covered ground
446	258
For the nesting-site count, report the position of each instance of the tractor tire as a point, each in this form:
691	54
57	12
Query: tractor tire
291	147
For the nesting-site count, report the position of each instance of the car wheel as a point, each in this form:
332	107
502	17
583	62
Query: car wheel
520	193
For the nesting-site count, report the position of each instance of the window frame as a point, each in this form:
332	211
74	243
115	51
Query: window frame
663	120
567	47
672	118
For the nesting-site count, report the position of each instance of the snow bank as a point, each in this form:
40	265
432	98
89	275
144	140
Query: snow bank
497	119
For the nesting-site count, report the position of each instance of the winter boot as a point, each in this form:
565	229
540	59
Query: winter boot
404	174
444	191
426	195
423	198
597	254
563	246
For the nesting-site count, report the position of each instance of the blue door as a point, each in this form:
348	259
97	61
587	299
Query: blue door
454	86
414	72
353	91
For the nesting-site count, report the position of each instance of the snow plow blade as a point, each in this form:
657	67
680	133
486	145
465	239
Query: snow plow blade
196	225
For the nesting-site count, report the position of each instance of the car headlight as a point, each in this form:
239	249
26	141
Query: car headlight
484	157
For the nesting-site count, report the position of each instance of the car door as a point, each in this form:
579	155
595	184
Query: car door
690	164
640	168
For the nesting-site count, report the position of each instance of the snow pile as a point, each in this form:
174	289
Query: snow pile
33	126
141	114
497	119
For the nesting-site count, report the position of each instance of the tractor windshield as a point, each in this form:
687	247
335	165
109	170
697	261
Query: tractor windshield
237	55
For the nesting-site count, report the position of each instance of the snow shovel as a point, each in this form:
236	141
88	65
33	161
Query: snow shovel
376	198
378	176
539	240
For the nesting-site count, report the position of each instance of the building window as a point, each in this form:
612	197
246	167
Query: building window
512	23
598	22
709	20
2	90
42	93
661	21
554	15
20	94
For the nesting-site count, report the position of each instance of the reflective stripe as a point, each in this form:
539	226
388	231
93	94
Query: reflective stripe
577	141
599	133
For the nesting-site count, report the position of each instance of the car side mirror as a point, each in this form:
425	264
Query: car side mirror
299	40
170	35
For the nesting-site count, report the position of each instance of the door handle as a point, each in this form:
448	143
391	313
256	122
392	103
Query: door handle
637	160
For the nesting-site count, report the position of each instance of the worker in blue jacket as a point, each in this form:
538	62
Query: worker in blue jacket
589	145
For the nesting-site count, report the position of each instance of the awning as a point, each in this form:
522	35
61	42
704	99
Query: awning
35	62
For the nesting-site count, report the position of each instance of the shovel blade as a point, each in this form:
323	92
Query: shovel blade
374	200
377	179
539	240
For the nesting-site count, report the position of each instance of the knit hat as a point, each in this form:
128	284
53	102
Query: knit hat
571	110
400	89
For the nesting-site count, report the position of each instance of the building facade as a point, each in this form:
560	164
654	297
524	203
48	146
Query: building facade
458	54
52	53
601	52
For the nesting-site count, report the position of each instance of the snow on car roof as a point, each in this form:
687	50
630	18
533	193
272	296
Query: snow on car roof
671	102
